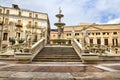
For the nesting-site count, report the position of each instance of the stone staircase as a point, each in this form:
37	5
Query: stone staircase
57	54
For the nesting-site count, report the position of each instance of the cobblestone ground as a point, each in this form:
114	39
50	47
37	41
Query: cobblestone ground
59	71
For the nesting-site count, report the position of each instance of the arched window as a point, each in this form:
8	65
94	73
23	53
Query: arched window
36	24
36	16
19	13
6	21
7	11
19	22
30	15
30	24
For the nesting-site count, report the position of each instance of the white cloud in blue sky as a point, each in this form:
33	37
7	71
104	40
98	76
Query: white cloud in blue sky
75	11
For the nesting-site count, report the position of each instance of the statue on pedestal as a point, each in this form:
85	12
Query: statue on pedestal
84	35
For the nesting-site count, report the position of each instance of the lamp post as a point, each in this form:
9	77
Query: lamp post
1	28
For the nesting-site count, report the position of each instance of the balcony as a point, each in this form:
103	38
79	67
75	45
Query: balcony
19	25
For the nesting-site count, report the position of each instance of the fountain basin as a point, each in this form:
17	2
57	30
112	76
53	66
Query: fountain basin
59	24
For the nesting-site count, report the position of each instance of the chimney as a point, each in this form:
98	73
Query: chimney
15	6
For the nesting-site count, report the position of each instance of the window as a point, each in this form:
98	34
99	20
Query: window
0	10
115	33
29	24
5	35
69	41
88	33
6	21
92	33
105	33
36	16
91	41
106	41
97	33
78	40
68	34
30	15
18	34
7	12
98	41
53	35
76	34
19	22
36	24
115	42
19	13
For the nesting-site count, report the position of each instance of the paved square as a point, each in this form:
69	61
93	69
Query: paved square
58	71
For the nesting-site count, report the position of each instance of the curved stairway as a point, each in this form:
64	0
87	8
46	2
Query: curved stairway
57	54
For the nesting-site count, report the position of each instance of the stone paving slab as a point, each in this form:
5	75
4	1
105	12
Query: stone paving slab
96	75
15	79
61	76
57	72
114	67
2	64
19	68
6	74
41	75
37	79
109	67
52	69
57	79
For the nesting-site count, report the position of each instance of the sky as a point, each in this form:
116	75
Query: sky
75	11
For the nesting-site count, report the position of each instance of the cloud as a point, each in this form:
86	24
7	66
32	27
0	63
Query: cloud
114	21
75	11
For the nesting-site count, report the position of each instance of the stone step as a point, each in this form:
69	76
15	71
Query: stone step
57	54
57	50
72	53
56	60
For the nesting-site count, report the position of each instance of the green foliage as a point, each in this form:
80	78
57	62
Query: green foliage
12	40
20	41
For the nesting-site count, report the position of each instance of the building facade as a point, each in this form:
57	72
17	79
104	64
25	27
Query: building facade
101	34
20	23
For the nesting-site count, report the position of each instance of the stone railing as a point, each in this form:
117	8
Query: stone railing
85	57
27	54
78	48
37	47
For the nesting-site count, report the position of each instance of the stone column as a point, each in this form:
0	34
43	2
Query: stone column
102	41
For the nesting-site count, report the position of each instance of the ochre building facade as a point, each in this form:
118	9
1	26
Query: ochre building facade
20	23
102	34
